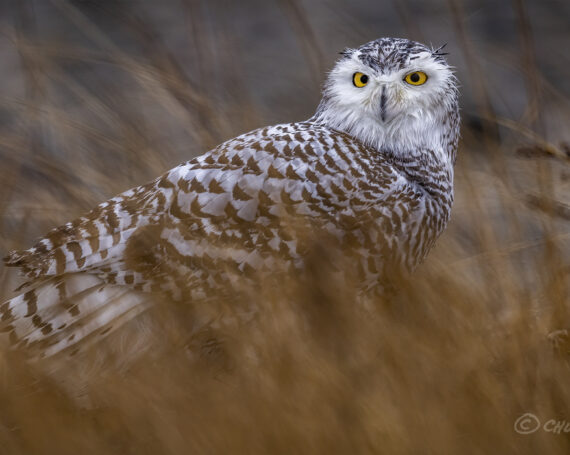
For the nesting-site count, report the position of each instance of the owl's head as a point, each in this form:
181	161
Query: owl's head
392	94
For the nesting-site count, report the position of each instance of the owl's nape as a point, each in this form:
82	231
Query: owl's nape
372	172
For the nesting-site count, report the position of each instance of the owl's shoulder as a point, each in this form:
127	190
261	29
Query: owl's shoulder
283	136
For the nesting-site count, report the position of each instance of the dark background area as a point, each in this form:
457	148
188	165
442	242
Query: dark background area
88	86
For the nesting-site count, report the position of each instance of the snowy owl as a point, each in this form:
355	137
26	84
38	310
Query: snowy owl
371	171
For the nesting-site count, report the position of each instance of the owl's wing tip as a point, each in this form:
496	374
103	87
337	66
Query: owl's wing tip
14	258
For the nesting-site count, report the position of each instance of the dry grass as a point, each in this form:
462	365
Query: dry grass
447	366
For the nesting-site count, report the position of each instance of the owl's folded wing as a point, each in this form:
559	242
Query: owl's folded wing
239	208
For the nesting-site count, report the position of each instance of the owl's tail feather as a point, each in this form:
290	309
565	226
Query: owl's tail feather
63	311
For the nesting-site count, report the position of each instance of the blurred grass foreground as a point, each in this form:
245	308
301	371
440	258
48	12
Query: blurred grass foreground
97	97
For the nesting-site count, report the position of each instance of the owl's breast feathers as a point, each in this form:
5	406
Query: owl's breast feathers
255	203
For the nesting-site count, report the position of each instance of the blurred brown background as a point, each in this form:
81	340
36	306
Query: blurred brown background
100	96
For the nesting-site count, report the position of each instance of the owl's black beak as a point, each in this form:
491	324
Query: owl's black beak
383	100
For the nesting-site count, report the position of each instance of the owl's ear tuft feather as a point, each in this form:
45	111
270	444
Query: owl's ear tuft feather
347	52
439	49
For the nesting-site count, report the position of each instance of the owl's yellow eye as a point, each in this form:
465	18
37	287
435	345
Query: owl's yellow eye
360	79
416	78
